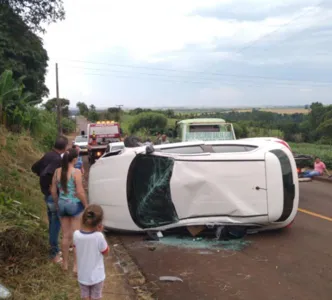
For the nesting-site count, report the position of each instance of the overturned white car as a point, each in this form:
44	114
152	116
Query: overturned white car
251	183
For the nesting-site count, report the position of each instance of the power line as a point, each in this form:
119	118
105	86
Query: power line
277	29
161	79
174	70
238	77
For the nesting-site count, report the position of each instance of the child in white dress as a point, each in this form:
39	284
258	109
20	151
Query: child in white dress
91	248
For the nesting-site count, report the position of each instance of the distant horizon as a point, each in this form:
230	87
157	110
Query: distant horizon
200	107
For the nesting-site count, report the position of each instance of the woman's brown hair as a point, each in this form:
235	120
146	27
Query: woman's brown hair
68	157
93	216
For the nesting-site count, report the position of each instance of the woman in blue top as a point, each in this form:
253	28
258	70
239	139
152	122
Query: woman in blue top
69	196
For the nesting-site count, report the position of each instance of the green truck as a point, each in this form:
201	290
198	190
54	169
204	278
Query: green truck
209	129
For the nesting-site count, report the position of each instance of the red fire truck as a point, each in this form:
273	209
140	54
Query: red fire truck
100	134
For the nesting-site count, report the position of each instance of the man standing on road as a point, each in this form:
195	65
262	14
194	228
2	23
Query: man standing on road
164	139
45	168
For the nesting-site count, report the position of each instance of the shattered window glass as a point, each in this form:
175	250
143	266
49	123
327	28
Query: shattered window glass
148	191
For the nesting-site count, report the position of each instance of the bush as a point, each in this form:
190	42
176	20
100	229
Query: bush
45	129
148	121
241	131
25	268
68	125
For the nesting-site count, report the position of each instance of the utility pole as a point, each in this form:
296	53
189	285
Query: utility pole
58	102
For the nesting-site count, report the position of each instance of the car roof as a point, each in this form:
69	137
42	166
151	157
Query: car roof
241	142
202	120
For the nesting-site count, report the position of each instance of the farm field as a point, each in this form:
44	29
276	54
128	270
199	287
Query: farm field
279	110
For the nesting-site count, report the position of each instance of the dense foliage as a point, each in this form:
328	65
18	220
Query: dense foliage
18	112
83	109
22	52
315	126
35	13
147	121
51	106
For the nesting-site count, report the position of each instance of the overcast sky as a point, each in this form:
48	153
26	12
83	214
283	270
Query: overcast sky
192	52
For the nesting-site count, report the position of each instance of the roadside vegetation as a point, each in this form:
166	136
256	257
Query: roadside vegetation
309	131
27	129
25	267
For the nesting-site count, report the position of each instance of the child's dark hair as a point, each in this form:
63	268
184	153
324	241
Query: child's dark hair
68	157
93	216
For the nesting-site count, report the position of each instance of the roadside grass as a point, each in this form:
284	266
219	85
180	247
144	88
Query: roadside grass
322	151
24	264
264	132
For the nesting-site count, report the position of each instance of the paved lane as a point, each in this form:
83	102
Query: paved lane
294	264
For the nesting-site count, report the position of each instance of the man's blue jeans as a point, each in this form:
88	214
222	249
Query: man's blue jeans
54	226
309	174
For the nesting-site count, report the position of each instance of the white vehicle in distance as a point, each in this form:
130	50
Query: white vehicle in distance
249	183
82	142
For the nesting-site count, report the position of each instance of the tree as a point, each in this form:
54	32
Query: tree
241	131
316	114
148	120
51	105
35	13
22	52
170	113
290	129
114	113
15	105
68	125
83	108
93	115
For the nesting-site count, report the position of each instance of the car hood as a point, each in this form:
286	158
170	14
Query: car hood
81	143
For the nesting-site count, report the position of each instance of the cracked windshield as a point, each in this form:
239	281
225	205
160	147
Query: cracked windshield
165	150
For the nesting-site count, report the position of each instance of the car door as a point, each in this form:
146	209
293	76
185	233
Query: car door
219	185
163	189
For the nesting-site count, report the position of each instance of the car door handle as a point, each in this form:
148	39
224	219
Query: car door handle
257	188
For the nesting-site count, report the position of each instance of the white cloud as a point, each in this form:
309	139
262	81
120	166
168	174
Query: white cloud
174	34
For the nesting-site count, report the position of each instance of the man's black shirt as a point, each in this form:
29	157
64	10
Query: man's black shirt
45	168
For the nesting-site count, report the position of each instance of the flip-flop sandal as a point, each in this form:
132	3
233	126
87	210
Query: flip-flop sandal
59	260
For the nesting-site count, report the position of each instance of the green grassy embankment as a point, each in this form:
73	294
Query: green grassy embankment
322	151
24	264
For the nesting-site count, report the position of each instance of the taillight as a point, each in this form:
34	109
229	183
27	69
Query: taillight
290	224
284	143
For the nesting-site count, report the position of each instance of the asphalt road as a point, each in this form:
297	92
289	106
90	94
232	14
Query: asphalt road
292	264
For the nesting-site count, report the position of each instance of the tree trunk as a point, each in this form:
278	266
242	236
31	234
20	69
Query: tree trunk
3	139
